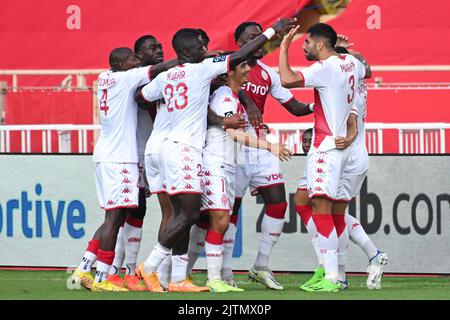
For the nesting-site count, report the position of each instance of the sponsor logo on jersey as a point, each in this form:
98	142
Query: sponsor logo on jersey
264	75
261	90
220	59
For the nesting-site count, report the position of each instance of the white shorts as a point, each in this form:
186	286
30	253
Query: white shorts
350	185
117	185
325	170
265	173
154	178
219	189
181	167
142	182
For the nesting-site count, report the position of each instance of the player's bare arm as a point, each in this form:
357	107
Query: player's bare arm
359	56
242	137
352	132
298	108
254	115
162	66
236	121
289	78
253	46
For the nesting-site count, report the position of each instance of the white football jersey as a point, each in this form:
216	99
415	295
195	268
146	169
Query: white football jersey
359	155
335	82
144	130
118	115
161	128
185	89
220	149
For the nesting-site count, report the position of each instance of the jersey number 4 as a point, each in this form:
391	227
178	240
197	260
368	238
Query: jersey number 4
103	100
181	101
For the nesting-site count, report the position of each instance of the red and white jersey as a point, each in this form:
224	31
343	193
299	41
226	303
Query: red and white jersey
161	128
262	81
144	130
358	147
220	149
118	114
335	82
185	89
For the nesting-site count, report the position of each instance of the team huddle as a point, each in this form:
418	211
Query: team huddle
188	131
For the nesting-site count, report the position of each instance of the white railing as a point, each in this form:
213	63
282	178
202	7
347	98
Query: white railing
420	138
63	132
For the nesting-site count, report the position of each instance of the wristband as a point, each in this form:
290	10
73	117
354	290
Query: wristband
269	33
311	107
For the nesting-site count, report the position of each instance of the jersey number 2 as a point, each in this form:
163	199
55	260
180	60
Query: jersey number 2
182	100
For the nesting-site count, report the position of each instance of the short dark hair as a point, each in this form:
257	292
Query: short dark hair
325	31
241	28
118	55
310	130
183	38
341	50
139	42
204	36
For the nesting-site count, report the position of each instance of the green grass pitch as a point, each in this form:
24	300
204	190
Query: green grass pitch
52	285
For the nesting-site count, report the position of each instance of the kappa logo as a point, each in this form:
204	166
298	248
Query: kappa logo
189	187
207	183
187	177
354	225
186	149
318	189
207	173
126	190
126	180
319	170
173	188
227	99
110	203
320	180
209	193
321	161
224	200
187	158
125	171
126	200
210	203
187	168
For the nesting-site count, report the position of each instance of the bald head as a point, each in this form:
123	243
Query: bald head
121	59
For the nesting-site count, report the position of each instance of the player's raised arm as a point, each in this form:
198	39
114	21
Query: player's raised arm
368	70
162	66
253	46
298	108
242	137
289	78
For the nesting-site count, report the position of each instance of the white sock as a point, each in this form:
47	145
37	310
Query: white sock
102	272
132	238
87	261
271	229
228	246
312	232
164	270
329	247
179	265
197	237
343	242
119	254
359	236
159	253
